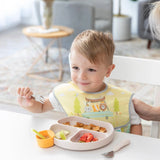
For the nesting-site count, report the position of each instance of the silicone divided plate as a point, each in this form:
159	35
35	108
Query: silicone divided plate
72	139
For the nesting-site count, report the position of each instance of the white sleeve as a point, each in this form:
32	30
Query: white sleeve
134	117
55	103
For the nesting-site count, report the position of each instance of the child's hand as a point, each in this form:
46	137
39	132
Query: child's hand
25	98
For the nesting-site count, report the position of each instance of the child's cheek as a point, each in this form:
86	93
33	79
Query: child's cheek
73	77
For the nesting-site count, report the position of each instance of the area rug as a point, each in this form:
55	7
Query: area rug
137	47
13	70
13	73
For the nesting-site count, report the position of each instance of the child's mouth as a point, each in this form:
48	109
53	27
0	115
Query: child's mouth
84	83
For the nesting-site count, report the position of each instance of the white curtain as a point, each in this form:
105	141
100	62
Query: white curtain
13	12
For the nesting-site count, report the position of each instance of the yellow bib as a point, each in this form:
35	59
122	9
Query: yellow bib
111	104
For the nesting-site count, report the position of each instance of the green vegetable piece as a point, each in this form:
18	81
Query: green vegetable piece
38	134
65	132
58	134
62	135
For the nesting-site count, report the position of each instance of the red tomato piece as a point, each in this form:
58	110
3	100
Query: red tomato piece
87	137
95	139
90	137
83	138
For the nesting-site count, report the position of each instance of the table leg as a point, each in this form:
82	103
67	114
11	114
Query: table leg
44	51
47	56
40	56
35	45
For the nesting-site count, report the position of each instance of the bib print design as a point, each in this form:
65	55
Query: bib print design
96	107
111	104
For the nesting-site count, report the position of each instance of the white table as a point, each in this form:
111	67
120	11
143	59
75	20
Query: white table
17	142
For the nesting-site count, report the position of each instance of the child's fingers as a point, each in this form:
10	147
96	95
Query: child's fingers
19	90
29	94
26	91
22	91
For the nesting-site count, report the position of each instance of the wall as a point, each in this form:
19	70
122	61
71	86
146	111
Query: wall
130	8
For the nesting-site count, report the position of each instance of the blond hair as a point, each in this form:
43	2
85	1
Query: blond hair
154	20
97	47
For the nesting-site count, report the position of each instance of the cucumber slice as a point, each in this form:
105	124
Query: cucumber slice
62	135
58	135
65	132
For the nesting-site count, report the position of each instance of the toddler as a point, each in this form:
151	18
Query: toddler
87	95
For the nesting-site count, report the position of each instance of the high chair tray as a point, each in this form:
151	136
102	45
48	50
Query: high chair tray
77	126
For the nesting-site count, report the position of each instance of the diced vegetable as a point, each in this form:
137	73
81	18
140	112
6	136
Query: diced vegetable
62	134
87	137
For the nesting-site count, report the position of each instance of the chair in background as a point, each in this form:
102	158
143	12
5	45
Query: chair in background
76	15
141	71
143	26
103	14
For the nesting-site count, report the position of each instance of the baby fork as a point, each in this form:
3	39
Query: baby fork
40	99
117	148
13	91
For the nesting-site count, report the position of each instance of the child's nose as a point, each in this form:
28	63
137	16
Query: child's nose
83	75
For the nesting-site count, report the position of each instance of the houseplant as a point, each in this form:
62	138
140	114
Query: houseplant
121	25
46	13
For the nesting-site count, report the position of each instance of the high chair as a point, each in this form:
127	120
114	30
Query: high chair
140	70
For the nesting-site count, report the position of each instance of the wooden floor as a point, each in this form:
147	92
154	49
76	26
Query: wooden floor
12	41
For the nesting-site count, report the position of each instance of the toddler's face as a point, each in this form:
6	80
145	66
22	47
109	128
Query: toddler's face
86	75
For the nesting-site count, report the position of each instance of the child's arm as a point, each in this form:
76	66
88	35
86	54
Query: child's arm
26	101
136	129
146	111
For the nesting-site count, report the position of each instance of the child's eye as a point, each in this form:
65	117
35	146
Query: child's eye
92	70
75	68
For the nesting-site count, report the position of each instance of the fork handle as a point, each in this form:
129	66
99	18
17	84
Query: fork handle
121	145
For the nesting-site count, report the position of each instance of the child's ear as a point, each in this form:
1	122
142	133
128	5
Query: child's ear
110	69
